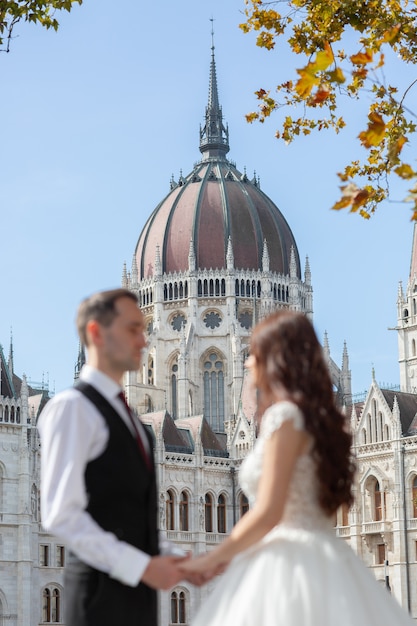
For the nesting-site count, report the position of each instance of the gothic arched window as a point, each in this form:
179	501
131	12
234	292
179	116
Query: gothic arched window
56	606
243	504
221	514
170	509
184	511
51	605
377	503
370	428
214	391
415	496
380	423
174	389
150	370
208	510
178	608
46	605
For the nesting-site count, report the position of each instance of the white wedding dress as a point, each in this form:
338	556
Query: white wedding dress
300	574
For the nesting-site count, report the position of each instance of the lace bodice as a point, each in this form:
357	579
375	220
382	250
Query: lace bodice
302	509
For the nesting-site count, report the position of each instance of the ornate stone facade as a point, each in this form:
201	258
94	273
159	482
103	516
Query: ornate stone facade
31	560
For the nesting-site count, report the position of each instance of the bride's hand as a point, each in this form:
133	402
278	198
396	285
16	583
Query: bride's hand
204	566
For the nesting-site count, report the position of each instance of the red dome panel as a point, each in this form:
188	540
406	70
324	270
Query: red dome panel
179	229
244	229
153	235
275	230
210	238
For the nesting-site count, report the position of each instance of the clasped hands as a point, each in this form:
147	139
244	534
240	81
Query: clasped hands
164	571
201	569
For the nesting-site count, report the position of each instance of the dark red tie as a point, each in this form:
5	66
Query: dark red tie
139	441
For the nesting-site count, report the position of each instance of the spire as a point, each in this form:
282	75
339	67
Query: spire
124	276
293	265
191	256
214	136
158	264
345	358
307	272
134	272
397	417
326	347
265	257
10	362
229	255
400	296
24	395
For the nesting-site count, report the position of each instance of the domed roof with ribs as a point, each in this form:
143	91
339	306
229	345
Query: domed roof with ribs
211	206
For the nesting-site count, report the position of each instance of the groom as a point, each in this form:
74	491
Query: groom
98	492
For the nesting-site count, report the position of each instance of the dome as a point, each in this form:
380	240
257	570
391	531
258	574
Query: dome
212	206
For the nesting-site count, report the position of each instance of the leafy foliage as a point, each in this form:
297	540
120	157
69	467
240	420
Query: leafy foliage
36	11
319	31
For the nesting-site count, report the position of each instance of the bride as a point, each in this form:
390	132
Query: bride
285	566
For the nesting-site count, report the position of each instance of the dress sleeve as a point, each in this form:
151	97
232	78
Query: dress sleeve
279	413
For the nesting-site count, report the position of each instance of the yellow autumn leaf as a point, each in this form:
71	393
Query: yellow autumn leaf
362	58
391	34
375	132
337	76
324	58
405	171
400	142
360	199
342	204
381	61
306	82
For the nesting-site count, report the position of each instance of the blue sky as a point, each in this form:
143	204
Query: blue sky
96	119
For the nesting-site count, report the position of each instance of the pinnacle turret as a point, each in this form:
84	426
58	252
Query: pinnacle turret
10	361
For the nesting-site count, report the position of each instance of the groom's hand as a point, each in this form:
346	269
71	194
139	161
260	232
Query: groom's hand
163	572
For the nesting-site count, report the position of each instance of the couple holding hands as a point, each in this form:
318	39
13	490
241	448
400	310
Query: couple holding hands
282	563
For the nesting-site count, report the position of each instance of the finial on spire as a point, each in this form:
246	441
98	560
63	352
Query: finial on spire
212	33
214	136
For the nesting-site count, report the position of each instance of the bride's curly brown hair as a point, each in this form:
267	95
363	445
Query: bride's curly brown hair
289	360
